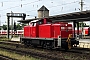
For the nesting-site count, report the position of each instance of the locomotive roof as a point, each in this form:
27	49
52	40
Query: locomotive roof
75	16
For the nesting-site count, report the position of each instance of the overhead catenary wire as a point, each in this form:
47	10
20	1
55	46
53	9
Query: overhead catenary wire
61	5
2	2
20	5
64	4
12	1
58	5
37	5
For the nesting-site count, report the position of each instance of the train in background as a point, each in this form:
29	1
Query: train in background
46	34
18	32
86	31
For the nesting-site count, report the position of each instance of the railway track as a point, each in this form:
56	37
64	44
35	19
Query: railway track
79	51
49	54
73	50
30	52
6	58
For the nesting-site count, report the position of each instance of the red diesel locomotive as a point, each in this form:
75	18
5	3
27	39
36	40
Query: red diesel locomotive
49	35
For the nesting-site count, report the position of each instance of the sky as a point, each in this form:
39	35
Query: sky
30	7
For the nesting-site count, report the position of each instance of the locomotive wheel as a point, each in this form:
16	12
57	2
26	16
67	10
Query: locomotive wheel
49	45
66	47
26	44
43	44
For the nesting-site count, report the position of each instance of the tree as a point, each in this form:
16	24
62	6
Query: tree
23	25
18	27
15	27
4	27
83	25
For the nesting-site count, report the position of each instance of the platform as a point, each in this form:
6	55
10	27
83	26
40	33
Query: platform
86	37
84	40
15	39
84	43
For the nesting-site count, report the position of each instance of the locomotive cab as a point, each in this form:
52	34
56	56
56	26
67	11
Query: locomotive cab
44	21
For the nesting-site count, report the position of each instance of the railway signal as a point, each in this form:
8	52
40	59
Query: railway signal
18	15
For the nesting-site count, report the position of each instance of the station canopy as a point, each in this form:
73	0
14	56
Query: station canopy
69	17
